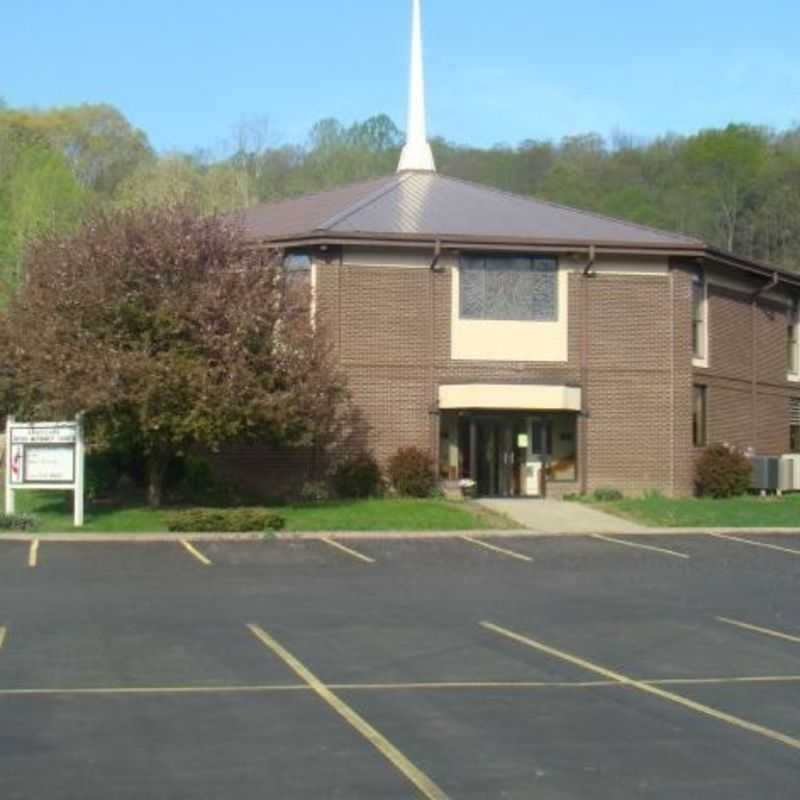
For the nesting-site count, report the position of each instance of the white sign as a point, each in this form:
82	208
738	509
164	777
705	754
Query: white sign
48	463
38	434
45	455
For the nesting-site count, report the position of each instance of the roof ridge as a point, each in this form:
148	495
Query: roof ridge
532	199
393	181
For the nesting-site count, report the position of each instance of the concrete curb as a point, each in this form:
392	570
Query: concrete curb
512	533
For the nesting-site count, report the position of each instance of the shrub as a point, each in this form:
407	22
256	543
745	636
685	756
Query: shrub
411	472
358	476
18	522
102	475
607	495
722	471
315	492
232	520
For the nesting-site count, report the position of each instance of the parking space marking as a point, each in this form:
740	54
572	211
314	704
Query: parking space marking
501	550
3	632
755	544
348	550
479	686
196	553
662	550
423	783
647	688
33	553
758	629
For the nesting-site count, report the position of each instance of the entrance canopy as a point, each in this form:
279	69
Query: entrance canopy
509	397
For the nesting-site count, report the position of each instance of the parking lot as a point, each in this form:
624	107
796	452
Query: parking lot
553	668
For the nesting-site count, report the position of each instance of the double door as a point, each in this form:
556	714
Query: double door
511	456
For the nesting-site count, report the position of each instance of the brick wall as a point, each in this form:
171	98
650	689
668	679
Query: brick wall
391	327
748	392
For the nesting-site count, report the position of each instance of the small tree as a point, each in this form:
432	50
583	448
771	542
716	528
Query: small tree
169	332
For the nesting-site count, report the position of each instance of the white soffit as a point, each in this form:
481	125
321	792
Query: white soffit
509	397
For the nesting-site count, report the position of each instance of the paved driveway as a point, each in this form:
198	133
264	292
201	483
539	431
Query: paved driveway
553	668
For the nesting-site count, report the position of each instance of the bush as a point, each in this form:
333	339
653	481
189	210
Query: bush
102	476
606	495
232	520
411	472
722	471
358	476
315	492
18	522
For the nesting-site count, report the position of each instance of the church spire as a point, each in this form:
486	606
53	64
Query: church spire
417	154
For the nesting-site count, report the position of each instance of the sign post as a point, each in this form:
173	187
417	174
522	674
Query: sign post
45	456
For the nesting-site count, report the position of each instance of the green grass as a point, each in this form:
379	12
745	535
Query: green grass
738	512
52	510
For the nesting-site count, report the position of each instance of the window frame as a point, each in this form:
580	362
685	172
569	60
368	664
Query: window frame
699	415
793	341
700	320
794	425
533	258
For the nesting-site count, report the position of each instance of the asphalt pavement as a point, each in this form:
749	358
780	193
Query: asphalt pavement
586	667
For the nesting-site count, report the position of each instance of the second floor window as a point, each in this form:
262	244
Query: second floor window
792	349
509	288
699	317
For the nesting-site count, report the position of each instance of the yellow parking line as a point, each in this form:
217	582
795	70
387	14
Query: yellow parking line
33	553
724	681
663	550
648	688
348	550
381	687
423	783
757	629
196	553
502	550
3	632
434	685
755	544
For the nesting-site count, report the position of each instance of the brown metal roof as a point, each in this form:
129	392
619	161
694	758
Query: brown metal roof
428	205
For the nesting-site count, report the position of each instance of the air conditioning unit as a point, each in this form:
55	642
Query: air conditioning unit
789	477
766	473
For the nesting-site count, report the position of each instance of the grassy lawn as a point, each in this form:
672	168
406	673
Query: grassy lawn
738	512
351	515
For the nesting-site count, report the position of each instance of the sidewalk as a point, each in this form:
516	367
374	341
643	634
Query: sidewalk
554	516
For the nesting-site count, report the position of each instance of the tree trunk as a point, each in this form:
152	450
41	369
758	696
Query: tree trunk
156	467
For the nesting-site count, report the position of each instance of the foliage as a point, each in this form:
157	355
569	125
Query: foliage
315	492
410	471
102	475
358	476
606	495
162	343
18	522
722	471
231	520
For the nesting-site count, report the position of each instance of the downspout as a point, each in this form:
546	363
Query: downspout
435	417
588	272
754	297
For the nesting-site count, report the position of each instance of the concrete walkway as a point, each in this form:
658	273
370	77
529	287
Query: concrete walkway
555	516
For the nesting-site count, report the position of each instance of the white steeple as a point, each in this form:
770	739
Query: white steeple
417	154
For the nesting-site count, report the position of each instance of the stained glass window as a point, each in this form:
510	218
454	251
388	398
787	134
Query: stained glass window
509	288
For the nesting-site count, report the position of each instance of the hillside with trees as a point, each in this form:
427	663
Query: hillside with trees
737	188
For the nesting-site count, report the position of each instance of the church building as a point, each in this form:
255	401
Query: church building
533	348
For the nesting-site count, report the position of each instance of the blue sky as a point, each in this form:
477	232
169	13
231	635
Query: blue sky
190	73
